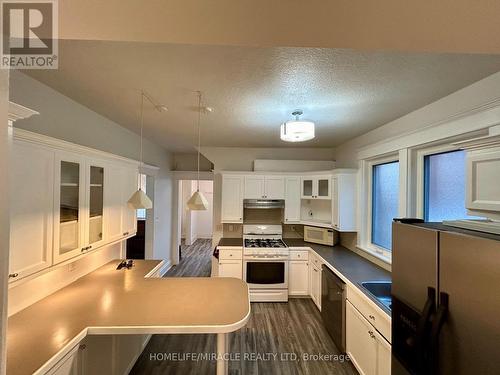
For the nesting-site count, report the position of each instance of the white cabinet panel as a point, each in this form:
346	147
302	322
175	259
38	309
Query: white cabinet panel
298	279
255	187
361	343
129	215
114	203
232	199
344	191
31	209
315	283
231	268
292	200
69	365
383	355
483	176
274	187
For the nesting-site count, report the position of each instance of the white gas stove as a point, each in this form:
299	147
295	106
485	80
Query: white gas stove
265	263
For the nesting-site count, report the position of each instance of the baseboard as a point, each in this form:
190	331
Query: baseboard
166	266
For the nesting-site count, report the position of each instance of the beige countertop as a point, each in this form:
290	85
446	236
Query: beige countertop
108	301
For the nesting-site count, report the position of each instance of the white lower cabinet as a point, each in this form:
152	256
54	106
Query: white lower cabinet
231	262
70	364
315	283
298	278
369	351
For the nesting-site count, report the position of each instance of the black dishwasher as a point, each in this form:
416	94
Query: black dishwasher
333	296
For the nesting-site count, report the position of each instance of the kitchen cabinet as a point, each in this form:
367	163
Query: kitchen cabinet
315	279
94	234
70	364
31	178
298	274
69	206
292	200
264	187
369	351
231	261
114	202
129	215
316	187
344	191
232	199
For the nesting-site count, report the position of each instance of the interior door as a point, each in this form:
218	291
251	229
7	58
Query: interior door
470	274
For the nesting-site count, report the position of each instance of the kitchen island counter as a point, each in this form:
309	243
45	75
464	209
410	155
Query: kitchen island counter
126	301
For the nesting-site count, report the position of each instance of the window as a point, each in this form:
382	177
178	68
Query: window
444	186
385	202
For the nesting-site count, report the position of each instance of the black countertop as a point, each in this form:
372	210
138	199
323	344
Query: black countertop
354	267
230	242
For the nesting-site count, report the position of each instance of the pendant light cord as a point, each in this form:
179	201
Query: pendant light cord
199	138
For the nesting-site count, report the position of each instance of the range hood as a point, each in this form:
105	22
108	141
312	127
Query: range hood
263	203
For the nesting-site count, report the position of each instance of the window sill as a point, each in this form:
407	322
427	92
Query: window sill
375	252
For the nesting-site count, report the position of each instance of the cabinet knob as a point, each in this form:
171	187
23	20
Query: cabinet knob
82	347
13	275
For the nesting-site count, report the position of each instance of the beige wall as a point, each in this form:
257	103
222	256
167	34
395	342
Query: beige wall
189	162
4	212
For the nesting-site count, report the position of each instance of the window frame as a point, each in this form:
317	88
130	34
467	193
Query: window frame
365	242
420	173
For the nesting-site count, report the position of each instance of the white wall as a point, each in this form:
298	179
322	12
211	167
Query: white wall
61	117
4	212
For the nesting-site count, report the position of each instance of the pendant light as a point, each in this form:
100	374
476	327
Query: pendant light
198	202
297	131
139	200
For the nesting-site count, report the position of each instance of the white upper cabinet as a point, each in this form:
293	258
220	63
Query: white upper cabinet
113	202
130	180
255	187
232	199
264	187
31	173
95	231
69	202
292	200
344	193
316	187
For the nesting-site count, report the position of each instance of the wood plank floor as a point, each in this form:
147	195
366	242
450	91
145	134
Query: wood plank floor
274	331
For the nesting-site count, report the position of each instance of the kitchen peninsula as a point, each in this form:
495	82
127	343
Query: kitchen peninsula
124	302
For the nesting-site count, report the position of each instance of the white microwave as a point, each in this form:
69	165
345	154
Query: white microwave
323	236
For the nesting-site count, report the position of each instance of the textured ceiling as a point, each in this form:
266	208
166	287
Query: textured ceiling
345	92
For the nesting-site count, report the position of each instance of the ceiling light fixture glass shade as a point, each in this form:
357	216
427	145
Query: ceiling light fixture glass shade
296	130
198	202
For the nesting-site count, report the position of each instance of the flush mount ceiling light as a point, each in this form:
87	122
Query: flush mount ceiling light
139	200
296	130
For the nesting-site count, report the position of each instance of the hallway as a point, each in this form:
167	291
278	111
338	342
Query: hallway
195	262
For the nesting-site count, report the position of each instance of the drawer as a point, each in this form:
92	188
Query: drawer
370	311
228	254
299	255
315	260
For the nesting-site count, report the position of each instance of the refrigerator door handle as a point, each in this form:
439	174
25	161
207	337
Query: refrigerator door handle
437	322
423	327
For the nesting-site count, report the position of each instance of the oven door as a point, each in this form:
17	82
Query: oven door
266	273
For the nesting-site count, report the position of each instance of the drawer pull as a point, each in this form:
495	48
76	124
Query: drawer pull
125	234
13	275
371	334
371	317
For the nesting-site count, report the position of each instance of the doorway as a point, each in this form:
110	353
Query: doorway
195	224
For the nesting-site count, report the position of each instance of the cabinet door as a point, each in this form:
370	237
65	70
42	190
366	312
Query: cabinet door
298	277
323	187
232	199
32	183
361	342
292	200
274	187
383	355
483	174
69	365
308	188
114	199
335	203
129	215
231	268
69	200
94	233
254	187
315	284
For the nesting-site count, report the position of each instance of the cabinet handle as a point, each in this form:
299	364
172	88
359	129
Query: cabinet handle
125	234
82	250
13	275
371	317
371	334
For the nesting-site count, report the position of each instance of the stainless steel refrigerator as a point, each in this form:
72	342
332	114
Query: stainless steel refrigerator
446	300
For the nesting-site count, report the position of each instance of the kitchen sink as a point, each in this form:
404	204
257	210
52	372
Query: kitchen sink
381	290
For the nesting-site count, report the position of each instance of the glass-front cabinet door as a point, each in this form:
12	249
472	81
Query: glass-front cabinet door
307	188
95	229
69	199
324	191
